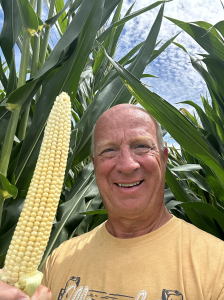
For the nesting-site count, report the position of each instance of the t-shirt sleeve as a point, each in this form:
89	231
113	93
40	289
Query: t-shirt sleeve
44	269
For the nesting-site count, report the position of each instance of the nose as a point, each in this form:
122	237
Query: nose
126	162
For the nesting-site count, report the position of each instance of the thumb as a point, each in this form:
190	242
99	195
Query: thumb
8	292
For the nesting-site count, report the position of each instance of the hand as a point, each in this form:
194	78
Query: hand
8	292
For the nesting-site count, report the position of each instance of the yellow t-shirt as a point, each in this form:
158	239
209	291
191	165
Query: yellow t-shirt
175	262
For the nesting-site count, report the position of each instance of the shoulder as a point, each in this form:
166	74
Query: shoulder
70	246
199	238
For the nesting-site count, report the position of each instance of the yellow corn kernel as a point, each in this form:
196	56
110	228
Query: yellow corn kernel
34	226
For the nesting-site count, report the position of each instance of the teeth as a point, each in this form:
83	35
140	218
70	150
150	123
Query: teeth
129	184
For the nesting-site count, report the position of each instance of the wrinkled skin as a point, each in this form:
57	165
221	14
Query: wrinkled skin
127	151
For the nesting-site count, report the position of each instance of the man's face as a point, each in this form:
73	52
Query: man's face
129	166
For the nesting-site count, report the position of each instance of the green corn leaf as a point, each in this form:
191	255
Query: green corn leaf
68	37
187	167
109	7
11	28
28	16
66	79
178	191
156	53
217	70
199	180
70	219
213	181
207	26
203	215
173	121
102	37
220	27
19	96
213	115
5	241
205	39
6	188
171	204
60	12
113	93
95	212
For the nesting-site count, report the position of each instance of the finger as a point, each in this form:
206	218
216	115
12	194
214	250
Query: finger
8	292
42	293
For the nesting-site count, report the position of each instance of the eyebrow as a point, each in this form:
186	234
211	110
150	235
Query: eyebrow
111	143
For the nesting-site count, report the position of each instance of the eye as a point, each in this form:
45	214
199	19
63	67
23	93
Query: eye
109	150
142	146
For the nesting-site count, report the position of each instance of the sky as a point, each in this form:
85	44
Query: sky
178	81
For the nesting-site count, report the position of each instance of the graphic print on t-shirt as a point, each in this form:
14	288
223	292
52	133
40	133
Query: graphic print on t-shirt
72	291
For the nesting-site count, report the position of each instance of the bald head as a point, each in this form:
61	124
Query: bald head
121	111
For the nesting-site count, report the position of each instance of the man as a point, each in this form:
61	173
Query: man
141	252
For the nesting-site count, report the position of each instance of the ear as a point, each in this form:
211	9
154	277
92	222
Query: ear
165	156
92	159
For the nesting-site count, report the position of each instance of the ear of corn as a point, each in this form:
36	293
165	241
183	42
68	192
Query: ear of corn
34	226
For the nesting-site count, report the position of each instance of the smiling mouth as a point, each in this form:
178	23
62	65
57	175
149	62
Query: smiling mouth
129	185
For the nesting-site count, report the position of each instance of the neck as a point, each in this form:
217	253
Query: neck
128	228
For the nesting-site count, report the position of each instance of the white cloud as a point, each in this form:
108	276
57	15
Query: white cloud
178	80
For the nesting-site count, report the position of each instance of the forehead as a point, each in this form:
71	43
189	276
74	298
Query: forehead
125	123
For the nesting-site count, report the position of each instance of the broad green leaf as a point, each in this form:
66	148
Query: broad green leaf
62	20
126	58
102	37
11	28
213	182
220	27
28	16
203	215
4	119
6	188
213	115
205	39
148	75
74	6
207	122
207	26
157	52
60	13
82	180
5	241
178	191
10	216
92	205
100	60
68	37
66	79
180	46
19	96
187	167
173	121
217	71
2	259
119	31
71	215
12	80
199	180
171	204
189	116
212	85
95	212
114	93
109	7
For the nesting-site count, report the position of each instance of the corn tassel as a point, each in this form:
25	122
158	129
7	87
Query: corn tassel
34	226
